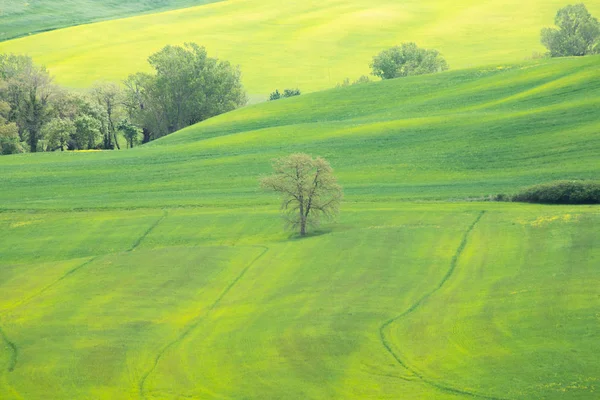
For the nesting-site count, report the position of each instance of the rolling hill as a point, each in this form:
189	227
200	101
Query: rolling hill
456	135
23	18
310	45
164	273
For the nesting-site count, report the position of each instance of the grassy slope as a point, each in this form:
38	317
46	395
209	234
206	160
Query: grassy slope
305	44
433	300
461	134
21	18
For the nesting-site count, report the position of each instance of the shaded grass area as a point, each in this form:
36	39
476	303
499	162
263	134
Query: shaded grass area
456	135
312	46
200	309
23	18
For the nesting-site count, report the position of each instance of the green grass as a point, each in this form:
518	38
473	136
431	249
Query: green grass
393	301
22	18
163	272
457	135
298	44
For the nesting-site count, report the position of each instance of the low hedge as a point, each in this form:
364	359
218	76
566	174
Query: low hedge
561	192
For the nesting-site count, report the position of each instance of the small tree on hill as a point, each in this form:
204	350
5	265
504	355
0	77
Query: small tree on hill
407	60
578	33
308	189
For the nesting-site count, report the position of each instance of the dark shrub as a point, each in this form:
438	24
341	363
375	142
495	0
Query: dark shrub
276	95
561	192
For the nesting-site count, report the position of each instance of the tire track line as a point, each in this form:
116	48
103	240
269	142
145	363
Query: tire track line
415	306
148	231
50	286
14	351
89	261
199	318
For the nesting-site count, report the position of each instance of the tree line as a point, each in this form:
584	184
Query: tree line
186	86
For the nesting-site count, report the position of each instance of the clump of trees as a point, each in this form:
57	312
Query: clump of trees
37	115
407	60
187	87
309	190
577	33
276	95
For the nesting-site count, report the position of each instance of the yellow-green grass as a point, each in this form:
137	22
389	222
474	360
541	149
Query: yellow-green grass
457	135
163	272
411	301
308	45
21	18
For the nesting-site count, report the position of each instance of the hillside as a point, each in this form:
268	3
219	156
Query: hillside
308	45
163	272
23	18
454	135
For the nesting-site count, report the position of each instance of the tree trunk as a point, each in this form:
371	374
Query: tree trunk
302	217
116	140
146	134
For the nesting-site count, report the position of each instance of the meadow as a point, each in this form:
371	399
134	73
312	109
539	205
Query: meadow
390	302
297	44
452	136
24	18
163	272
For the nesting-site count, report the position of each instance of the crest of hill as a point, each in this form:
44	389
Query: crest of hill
476	97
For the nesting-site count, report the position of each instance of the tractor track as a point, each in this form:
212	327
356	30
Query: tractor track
199	318
50	286
388	346
14	351
148	231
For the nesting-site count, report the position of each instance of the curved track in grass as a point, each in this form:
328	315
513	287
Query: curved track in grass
14	351
199	318
388	346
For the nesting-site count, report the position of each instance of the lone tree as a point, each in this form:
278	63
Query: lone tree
308	189
407	60
578	33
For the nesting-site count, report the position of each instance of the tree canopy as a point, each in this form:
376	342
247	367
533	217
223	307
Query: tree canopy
186	87
407	60
308	188
577	33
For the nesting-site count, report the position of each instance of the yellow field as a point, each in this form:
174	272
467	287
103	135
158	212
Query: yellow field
310	45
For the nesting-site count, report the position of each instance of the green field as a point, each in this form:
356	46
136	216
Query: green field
456	135
163	272
393	302
297	44
22	18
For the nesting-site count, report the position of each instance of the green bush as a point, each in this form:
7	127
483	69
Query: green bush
561	192
276	95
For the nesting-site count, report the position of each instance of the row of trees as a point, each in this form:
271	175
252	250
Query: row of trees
186	87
